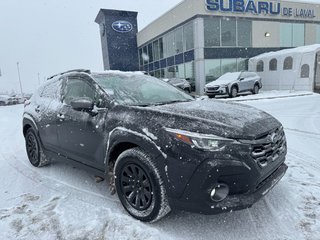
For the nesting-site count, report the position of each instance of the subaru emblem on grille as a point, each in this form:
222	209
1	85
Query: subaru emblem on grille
274	137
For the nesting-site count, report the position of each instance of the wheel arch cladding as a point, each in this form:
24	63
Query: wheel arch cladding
122	140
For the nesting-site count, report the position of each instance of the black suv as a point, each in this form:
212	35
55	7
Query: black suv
161	148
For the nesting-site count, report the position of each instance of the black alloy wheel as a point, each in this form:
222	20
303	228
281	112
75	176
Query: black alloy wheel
139	186
34	151
136	186
32	147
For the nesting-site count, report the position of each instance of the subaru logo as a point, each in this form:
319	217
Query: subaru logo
122	26
274	138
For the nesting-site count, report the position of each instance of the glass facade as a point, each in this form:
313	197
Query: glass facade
228	44
318	34
292	34
214	68
227	32
170	55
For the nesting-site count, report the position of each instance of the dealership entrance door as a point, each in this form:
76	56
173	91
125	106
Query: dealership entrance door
317	74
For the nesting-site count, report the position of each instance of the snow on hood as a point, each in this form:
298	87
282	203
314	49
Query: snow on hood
220	118
225	79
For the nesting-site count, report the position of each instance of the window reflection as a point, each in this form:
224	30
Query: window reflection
228	32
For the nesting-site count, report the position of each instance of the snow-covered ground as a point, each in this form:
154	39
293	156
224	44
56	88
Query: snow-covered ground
62	202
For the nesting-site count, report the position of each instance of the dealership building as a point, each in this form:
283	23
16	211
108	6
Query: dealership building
201	40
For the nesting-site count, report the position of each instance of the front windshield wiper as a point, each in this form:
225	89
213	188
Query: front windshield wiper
159	103
171	102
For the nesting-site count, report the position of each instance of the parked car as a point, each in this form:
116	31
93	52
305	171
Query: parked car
233	83
161	149
180	83
4	100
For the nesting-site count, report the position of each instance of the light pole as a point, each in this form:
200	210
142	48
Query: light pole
19	79
39	79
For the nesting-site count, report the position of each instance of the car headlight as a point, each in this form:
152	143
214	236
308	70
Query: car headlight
206	142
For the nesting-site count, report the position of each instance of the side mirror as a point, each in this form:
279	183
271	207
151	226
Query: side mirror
82	104
241	79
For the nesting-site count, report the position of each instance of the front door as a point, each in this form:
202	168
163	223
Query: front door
81	134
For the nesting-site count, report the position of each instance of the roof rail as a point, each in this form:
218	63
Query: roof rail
74	70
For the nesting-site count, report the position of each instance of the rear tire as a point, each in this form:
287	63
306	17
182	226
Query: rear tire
211	96
140	187
34	150
255	89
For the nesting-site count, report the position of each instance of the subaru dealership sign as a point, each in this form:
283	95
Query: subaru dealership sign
272	8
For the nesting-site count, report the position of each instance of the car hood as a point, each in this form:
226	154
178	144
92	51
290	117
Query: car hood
221	118
220	82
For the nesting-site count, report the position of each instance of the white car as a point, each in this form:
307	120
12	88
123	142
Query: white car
4	100
233	83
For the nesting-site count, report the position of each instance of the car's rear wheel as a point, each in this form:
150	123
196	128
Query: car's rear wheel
34	149
255	89
140	187
211	96
233	92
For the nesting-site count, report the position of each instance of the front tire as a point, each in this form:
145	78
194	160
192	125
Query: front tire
34	150
140	187
234	92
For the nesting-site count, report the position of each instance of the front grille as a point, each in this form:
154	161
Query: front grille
269	148
213	88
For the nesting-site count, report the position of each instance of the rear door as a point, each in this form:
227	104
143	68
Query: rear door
45	110
81	134
248	81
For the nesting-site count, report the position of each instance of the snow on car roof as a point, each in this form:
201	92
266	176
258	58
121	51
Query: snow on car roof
117	72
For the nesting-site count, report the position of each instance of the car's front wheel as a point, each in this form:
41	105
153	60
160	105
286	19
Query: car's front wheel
233	92
140	187
34	149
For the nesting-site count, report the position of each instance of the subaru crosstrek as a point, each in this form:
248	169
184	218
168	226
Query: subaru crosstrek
160	148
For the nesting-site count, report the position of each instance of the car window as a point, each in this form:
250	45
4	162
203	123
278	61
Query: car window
51	90
78	88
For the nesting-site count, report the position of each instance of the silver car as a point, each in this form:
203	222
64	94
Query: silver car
233	83
180	83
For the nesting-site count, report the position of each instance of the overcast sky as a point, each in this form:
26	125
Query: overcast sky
48	37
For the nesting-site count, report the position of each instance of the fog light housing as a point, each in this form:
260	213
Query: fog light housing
219	192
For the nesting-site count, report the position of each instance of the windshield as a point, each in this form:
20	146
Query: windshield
134	89
228	76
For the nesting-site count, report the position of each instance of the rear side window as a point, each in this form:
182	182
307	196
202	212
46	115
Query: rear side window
51	90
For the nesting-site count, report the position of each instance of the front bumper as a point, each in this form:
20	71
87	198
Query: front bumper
216	90
196	199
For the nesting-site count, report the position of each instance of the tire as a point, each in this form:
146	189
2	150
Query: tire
140	187
255	89
234	92
34	150
211	96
